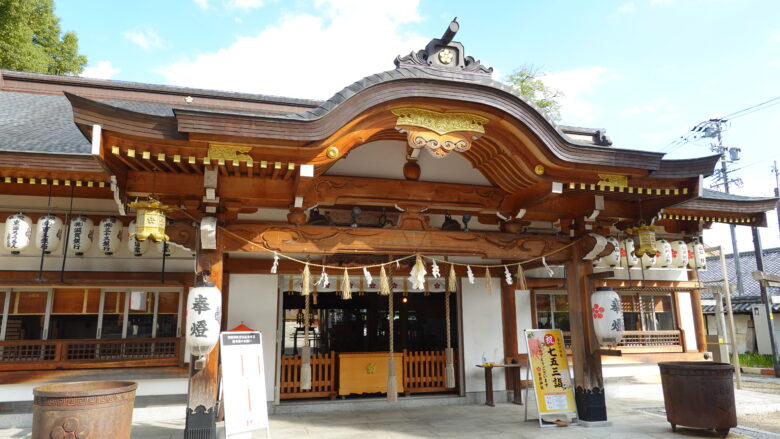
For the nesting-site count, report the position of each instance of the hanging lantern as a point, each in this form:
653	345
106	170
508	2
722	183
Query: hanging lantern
607	316
80	235
48	233
136	246
649	260
150	219
110	235
163	246
664	257
203	318
645	237
627	256
18	230
613	258
696	255
679	254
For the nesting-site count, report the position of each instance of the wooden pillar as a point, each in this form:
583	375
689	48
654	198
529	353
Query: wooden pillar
698	314
509	326
202	393
589	390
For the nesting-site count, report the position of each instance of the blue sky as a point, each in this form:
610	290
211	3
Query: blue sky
646	70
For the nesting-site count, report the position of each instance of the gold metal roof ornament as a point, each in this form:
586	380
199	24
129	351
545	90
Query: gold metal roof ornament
150	220
439	133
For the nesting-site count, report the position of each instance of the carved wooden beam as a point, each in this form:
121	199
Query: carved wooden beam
284	238
330	190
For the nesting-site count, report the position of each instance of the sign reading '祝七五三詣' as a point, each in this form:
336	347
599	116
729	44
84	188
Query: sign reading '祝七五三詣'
550	369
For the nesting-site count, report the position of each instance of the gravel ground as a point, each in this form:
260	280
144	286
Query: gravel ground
763	386
762	421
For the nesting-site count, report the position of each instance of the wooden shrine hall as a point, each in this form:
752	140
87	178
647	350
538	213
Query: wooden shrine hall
335	228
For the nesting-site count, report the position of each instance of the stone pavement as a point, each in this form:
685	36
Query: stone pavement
634	406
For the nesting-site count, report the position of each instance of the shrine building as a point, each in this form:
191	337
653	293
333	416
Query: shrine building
433	164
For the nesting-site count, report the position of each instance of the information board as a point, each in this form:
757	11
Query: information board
550	369
243	382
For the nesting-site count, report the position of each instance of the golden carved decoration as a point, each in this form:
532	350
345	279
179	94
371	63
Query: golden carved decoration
615	180
440	123
371	368
332	152
229	152
439	133
539	170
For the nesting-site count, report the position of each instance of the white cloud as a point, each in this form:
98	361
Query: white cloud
242	4
305	55
203	4
146	38
774	36
626	8
658	106
577	86
102	70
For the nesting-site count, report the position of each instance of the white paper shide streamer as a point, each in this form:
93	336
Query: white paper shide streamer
470	274
507	275
367	276
276	264
435	269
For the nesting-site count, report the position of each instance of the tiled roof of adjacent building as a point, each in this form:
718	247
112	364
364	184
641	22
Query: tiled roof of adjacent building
748	266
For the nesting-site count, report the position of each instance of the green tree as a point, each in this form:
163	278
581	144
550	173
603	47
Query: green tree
526	80
31	39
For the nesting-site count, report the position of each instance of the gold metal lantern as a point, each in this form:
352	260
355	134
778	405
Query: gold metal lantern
150	220
644	238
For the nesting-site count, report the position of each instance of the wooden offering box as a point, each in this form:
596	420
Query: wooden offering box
366	372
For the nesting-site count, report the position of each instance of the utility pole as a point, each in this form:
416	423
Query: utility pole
714	128
766	299
777	190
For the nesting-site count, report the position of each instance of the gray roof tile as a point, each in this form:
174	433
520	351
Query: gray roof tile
748	265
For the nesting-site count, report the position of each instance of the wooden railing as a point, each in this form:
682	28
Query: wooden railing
424	371
51	354
645	341
323	377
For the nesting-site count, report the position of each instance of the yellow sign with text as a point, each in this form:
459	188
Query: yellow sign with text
550	369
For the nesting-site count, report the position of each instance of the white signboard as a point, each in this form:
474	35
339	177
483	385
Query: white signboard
243	383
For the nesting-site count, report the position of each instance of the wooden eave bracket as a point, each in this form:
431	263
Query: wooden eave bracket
210	180
115	173
304	180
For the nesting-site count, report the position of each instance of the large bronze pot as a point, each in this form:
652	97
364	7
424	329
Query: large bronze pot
699	394
84	410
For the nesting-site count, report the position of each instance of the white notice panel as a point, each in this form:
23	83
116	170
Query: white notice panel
243	382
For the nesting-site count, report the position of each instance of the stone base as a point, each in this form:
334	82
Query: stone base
594	424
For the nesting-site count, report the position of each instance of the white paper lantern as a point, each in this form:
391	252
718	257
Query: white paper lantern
48	233
204	314
18	231
613	258
136	247
80	235
696	255
679	254
607	316
110	235
164	246
649	260
627	256
664	257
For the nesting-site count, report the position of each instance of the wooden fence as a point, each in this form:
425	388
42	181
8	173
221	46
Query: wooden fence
423	372
77	354
323	377
645	341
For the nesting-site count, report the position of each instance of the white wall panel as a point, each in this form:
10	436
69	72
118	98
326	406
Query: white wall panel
482	332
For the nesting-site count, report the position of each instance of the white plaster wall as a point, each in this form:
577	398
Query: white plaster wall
253	300
523	316
482	332
686	319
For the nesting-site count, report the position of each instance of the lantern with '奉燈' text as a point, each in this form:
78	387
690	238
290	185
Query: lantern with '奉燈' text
18	230
136	246
664	257
607	316
627	256
80	235
48	233
613	258
203	318
679	254
697	258
110	235
150	220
